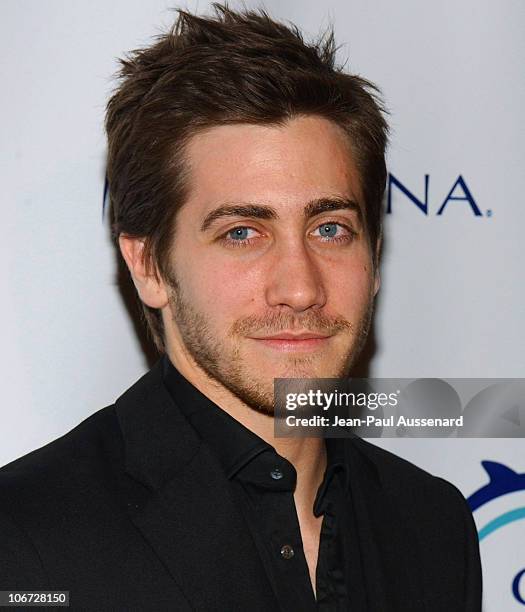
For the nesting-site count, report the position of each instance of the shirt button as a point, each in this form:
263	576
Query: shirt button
287	552
276	474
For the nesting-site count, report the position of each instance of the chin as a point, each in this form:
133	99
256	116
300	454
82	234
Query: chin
291	364
301	370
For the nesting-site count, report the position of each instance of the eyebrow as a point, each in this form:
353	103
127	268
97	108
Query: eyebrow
258	211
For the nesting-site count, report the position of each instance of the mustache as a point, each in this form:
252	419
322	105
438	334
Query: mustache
311	321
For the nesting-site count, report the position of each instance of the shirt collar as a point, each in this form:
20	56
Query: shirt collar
233	443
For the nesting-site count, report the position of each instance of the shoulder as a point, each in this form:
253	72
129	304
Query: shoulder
67	466
411	485
44	494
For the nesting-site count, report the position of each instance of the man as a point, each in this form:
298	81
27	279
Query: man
246	174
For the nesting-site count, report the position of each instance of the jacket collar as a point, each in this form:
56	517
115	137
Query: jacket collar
158	440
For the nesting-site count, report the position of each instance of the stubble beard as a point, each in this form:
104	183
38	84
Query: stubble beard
222	361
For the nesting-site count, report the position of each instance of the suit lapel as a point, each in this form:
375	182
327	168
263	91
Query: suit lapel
189	517
390	551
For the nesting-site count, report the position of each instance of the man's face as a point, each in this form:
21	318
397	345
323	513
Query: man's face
271	242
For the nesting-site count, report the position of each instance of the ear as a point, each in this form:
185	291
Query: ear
377	275
377	281
152	291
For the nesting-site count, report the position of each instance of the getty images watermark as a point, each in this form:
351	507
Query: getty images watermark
400	407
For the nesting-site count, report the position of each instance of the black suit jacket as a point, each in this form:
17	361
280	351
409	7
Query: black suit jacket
130	511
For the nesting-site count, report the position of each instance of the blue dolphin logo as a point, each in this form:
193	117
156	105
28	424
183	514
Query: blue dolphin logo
502	480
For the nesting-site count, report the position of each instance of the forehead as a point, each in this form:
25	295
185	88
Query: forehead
309	157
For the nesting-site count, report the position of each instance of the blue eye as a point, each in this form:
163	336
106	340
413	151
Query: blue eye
239	233
239	236
328	230
335	232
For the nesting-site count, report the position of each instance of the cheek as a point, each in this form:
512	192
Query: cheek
352	285
222	289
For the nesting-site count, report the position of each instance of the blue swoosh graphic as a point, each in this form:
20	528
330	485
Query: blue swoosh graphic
502	480
501	521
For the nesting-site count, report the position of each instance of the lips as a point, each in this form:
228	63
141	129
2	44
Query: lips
287	341
292	336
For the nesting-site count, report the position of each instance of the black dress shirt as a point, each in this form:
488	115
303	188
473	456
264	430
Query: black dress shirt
262	484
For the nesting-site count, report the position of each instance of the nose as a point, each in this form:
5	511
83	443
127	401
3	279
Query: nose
294	279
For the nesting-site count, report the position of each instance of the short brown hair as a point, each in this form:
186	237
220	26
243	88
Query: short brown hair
234	67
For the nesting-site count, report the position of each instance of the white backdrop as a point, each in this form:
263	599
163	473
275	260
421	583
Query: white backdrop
452	297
